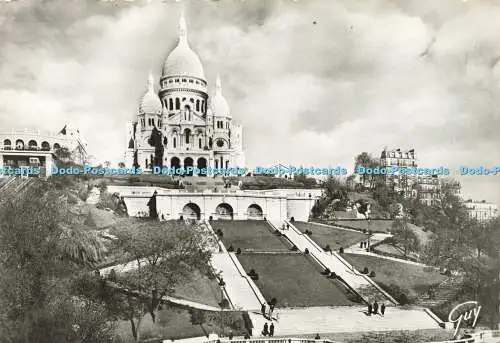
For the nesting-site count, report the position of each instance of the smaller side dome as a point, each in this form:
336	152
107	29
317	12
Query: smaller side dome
150	102
219	105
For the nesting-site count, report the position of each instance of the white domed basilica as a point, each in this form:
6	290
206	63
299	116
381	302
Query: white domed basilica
180	125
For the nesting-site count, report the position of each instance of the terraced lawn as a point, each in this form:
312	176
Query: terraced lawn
332	236
407	276
199	289
175	323
293	280
249	235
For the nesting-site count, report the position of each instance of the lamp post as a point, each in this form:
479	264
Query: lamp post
369	234
222	284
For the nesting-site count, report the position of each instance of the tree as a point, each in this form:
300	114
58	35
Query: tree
404	237
367	161
166	254
43	244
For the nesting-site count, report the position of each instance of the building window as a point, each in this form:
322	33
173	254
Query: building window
170	104
184	80
19	144
220	143
199	143
190	81
176	80
191	100
175	142
177	104
197	105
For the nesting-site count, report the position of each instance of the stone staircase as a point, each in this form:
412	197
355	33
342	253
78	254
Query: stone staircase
199	184
359	283
446	291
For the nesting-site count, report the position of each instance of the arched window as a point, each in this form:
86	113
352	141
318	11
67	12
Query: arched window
170	104
56	146
177	104
19	144
199	143
175	142
191	100
32	144
7	143
203	106
187	134
197	105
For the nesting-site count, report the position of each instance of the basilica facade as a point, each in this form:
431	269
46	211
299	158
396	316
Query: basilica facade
180	125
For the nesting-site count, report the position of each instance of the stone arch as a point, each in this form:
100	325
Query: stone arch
200	164
45	146
254	211
19	144
175	162
7	143
191	211
224	211
32	144
56	146
188	162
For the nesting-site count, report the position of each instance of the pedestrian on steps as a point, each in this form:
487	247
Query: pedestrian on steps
382	309
375	307
265	332
271	330
369	309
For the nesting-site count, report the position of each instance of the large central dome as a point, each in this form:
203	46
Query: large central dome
183	61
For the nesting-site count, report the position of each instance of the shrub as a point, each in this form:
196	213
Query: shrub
365	270
327	271
333	275
251	272
341	250
238	251
306	251
255	277
294	248
327	248
224	303
231	248
372	274
398	293
310	233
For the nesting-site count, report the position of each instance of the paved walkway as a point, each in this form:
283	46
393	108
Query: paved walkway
375	239
362	284
240	288
323	320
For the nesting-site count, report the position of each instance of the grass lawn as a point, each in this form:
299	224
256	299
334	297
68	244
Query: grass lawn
199	289
334	237
407	276
175	323
293	280
254	235
360	224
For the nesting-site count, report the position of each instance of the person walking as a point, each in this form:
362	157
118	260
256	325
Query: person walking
382	309
265	332
263	309
271	330
375	307
369	309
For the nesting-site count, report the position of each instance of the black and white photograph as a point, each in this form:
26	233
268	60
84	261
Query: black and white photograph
249	171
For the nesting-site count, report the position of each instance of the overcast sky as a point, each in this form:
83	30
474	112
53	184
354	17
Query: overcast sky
313	82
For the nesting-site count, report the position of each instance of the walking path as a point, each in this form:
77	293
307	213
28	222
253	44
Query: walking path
322	320
240	288
375	239
362	284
